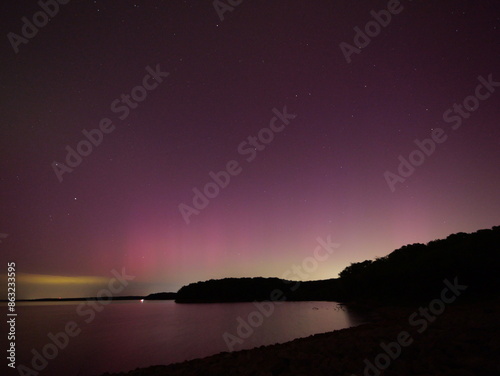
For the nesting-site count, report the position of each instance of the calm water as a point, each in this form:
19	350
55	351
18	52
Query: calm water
129	334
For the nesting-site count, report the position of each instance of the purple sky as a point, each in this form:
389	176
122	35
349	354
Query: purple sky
323	174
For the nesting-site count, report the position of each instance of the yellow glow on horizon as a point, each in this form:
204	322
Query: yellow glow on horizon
44	279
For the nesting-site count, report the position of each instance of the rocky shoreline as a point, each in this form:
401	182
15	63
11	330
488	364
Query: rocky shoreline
463	340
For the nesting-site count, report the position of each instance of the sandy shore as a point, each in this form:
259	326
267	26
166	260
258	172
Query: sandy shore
464	340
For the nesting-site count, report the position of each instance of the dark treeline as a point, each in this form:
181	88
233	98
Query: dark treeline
417	271
251	289
154	296
104	298
161	296
411	273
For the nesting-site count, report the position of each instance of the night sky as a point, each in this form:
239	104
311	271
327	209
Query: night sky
328	169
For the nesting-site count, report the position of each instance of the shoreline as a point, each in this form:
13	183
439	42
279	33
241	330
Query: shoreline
464	340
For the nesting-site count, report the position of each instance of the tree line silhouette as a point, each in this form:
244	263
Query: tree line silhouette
411	273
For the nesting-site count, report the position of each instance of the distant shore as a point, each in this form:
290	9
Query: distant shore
154	296
464	340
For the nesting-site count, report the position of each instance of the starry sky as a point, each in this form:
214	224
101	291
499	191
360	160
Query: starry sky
316	123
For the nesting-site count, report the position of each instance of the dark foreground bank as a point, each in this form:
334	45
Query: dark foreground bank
462	340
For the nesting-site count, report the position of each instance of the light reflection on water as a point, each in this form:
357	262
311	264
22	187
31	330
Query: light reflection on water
130	334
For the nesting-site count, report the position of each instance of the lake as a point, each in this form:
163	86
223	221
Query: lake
128	334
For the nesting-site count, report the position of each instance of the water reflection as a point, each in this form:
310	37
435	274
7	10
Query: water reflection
130	334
